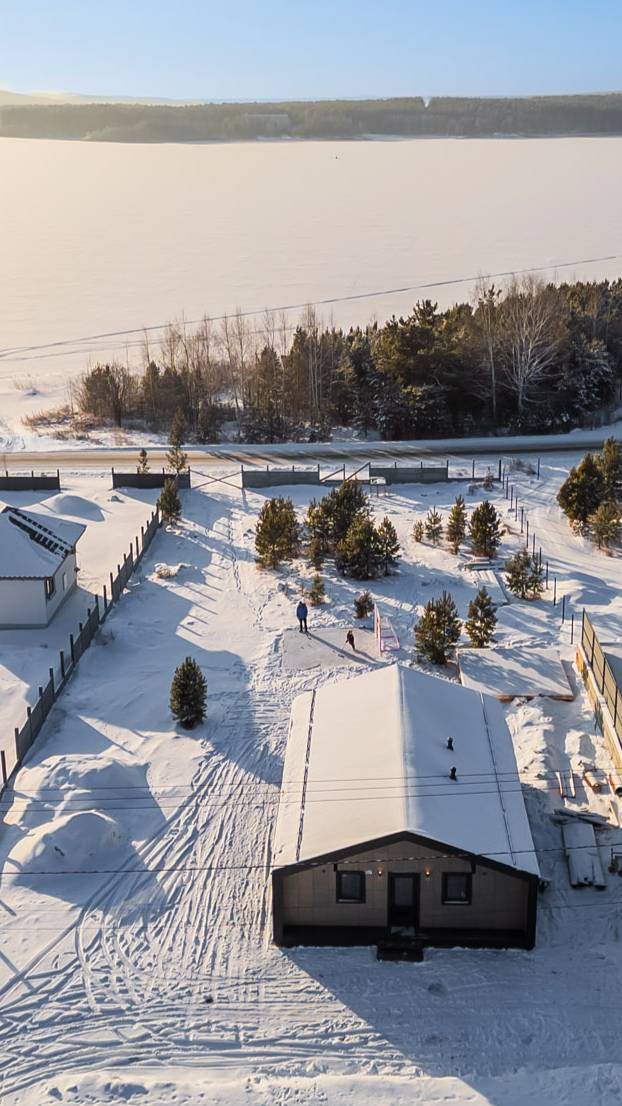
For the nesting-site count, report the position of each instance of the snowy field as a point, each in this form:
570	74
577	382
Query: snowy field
83	271
135	955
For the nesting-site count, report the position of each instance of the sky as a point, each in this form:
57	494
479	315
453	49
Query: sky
305	49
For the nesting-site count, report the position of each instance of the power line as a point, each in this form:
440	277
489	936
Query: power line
327	301
311	862
373	781
464	792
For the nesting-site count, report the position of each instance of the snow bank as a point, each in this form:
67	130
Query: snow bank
598	1084
82	773
83	840
76	506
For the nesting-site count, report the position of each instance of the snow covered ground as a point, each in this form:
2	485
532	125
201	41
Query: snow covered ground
135	955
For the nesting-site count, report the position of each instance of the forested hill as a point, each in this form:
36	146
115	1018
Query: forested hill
449	116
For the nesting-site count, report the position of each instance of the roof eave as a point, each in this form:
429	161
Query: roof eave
408	835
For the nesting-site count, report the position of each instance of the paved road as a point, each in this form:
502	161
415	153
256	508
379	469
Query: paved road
308	452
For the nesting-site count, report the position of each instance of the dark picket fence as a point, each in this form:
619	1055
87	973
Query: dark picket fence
32	482
78	644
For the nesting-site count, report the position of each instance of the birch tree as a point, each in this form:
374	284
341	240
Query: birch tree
531	336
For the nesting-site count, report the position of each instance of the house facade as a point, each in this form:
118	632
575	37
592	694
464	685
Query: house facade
38	568
402	818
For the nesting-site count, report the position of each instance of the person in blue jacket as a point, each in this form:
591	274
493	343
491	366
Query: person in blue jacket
301	615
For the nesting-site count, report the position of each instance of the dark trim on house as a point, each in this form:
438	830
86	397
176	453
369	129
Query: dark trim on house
442	937
351	936
393	838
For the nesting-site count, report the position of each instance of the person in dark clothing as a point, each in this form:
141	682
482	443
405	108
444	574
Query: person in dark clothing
301	615
350	640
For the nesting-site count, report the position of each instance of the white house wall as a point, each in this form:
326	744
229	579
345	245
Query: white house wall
22	603
65	582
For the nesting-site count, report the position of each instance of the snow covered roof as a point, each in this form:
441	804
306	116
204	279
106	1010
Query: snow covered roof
32	545
367	758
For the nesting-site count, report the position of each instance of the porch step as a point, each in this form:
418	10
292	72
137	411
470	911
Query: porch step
400	948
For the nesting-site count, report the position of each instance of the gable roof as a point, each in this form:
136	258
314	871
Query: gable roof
32	545
367	758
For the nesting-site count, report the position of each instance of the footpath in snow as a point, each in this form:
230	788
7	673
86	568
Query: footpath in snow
135	954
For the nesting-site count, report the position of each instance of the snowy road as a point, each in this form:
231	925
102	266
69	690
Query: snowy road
160	961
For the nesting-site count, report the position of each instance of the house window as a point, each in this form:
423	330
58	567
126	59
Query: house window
350	887
50	587
456	888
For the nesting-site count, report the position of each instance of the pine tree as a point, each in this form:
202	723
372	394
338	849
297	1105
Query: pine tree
481	619
143	464
485	529
388	545
345	504
318	527
188	693
455	531
524	575
418	530
328	521
277	533
363	605
317	592
438	629
606	525
610	465
176	458
434	526
359	553
169	502
582	492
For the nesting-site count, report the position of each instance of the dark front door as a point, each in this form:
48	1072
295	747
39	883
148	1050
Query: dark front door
403	912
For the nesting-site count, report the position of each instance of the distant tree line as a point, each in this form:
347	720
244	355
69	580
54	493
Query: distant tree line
533	357
451	116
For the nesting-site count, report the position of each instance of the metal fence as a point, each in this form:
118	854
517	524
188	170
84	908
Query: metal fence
149	479
603	673
78	644
20	482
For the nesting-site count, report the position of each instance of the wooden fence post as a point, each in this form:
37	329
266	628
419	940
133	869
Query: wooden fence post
62	664
72	649
3	767
52	681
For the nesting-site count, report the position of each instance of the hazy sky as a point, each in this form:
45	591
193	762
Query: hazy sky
245	49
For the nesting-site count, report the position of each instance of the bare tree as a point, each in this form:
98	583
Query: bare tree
531	318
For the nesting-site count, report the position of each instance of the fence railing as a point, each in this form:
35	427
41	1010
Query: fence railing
69	658
603	673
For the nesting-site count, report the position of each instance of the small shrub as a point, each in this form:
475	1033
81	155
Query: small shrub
418	530
188	693
317	592
363	605
169	502
434	526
